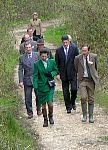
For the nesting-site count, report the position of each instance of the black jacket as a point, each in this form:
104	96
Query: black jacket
66	68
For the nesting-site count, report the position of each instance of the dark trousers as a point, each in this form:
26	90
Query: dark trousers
69	93
36	37
28	98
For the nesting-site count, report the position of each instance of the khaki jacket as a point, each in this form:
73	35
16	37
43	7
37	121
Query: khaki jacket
79	66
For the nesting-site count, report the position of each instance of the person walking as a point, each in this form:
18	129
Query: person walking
65	62
25	72
45	71
86	67
41	45
73	44
27	39
36	24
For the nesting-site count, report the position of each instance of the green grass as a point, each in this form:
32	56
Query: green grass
101	98
22	22
59	95
103	138
12	134
54	34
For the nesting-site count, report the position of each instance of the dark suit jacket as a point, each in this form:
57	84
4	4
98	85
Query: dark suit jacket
66	69
26	68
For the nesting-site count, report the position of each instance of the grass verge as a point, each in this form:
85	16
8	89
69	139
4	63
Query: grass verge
12	135
54	34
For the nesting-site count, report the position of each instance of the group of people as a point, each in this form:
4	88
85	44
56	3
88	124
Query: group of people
38	70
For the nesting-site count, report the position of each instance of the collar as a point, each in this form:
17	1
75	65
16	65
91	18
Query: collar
67	47
45	60
30	54
88	56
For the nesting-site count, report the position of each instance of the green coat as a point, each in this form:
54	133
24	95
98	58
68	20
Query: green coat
39	79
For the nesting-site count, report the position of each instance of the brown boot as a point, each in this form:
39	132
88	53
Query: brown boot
44	111
39	112
50	115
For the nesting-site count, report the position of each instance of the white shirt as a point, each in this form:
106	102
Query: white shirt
29	55
65	50
45	63
85	69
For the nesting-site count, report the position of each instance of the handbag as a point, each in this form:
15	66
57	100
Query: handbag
51	83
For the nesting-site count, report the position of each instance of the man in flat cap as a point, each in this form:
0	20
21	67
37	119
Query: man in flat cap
41	45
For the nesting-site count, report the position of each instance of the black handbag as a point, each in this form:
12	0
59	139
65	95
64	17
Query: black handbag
51	83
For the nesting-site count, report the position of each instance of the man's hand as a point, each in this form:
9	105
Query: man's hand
21	84
58	77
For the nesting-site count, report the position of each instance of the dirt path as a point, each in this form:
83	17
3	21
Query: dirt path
68	132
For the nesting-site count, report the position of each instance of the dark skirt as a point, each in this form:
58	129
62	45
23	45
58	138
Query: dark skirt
36	37
45	97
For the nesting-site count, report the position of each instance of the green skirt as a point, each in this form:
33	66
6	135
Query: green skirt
44	97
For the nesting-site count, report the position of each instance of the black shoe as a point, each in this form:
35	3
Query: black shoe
51	120
74	107
30	115
68	111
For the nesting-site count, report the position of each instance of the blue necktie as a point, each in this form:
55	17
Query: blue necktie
30	58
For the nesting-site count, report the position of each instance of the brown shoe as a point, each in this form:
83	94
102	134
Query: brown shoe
45	122
39	112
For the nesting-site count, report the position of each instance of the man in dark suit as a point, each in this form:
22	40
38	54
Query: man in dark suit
26	67
65	62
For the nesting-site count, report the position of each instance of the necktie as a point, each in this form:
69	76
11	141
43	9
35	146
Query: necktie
66	53
88	69
30	58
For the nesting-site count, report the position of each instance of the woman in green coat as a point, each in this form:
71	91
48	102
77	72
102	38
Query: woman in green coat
44	71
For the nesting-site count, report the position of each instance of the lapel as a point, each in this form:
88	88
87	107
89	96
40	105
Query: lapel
81	60
69	52
27	62
41	65
63	53
90	57
34	58
48	64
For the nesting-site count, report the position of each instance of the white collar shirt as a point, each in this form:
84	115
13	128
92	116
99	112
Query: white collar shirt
30	55
66	50
85	68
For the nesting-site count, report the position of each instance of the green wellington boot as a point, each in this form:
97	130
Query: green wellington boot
90	110
84	111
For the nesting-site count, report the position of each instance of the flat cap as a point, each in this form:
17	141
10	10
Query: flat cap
40	41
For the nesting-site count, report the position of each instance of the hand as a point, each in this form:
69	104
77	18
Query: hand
41	36
48	74
21	84
58	77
